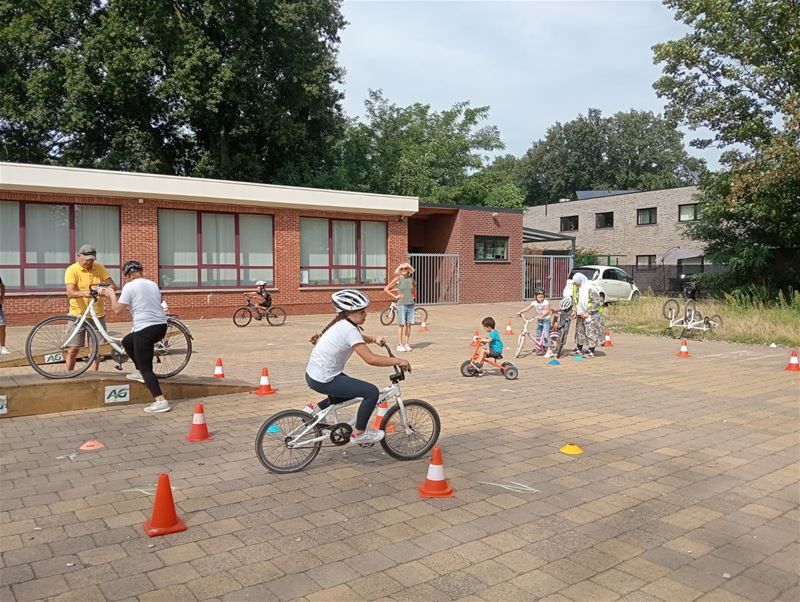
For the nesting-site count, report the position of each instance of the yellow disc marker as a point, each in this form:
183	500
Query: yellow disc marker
572	449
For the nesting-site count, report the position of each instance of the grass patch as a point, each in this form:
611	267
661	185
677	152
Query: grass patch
742	322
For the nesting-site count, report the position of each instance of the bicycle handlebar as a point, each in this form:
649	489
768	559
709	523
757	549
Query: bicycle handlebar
399	372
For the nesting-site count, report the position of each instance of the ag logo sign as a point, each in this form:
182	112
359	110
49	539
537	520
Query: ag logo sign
117	394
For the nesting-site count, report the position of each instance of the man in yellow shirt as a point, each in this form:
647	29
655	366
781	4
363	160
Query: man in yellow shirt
78	278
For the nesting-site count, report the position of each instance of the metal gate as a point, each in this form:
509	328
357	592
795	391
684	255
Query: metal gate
548	272
437	277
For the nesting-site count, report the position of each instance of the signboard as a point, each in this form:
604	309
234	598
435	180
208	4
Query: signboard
3	404
117	394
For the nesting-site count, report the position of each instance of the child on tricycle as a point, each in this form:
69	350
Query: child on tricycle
488	349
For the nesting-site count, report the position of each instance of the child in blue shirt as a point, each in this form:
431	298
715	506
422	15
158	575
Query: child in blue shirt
492	346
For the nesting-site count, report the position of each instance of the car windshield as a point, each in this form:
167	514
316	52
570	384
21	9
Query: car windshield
590	273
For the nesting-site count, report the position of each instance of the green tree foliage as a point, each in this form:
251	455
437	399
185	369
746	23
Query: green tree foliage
737	74
242	90
629	150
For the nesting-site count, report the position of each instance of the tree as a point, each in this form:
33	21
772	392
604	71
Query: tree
736	74
241	90
629	150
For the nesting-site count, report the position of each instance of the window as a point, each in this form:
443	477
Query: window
569	223
38	241
687	213
491	248
646	262
342	252
197	249
604	220
646	217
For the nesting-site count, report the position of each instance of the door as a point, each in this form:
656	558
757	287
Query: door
437	277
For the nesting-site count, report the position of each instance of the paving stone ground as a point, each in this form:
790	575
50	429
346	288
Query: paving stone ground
687	490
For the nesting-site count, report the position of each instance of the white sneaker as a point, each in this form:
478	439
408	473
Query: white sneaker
548	355
400	348
407	347
4	351
368	437
158	407
135	376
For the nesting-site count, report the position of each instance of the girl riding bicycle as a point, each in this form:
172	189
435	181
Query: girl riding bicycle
333	348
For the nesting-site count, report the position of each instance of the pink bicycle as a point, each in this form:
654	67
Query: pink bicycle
538	342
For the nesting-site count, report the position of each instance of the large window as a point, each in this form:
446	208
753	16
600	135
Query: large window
687	213
645	217
604	220
198	249
491	248
38	241
569	223
646	262
342	252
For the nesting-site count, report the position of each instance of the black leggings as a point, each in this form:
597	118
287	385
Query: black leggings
343	388
139	347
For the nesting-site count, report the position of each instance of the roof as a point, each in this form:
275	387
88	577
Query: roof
534	235
472	208
596	194
25	177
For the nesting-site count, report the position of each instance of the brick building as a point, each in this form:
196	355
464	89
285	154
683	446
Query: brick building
208	241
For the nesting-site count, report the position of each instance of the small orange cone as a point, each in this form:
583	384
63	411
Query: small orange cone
508	328
684	352
264	388
164	519
435	485
794	365
199	429
607	342
218	372
94	444
423	327
376	425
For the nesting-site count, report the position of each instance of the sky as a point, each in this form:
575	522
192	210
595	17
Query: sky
533	63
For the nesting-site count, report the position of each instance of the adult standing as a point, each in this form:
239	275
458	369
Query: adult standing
403	288
78	279
142	298
589	323
3	350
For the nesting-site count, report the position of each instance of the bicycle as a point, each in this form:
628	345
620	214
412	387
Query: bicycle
388	314
46	345
691	320
562	328
507	369
276	316
538	342
296	436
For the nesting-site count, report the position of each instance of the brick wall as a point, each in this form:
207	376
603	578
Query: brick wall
139	240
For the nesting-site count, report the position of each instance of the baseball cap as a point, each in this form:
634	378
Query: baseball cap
87	251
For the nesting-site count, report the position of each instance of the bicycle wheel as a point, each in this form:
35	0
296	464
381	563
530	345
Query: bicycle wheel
242	317
276	316
520	345
671	309
417	437
387	316
562	340
420	315
467	369
278	430
510	371
172	353
46	353
690	312
715	322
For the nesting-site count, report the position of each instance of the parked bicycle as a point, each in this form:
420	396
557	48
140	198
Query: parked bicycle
388	315
276	316
537	342
290	440
47	343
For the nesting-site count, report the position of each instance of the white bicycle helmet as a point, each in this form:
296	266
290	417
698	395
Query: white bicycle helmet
261	283
566	304
349	300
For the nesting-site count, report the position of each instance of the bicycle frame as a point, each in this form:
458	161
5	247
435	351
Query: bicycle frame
90	312
538	343
390	392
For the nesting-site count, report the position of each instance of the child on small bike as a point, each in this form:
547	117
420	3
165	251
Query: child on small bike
261	298
333	348
541	307
491	346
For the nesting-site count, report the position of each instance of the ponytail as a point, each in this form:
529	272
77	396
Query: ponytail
342	315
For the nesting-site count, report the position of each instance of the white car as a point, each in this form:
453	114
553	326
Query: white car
612	283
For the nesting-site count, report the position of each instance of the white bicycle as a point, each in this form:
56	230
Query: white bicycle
290	440
388	315
46	347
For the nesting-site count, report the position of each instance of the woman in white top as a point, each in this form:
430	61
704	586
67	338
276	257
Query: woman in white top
333	347
143	299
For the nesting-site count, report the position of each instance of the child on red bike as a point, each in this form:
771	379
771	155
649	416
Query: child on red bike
491	346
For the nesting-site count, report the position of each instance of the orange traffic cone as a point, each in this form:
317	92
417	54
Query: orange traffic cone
436	485
794	365
264	388
218	372
164	519
94	444
423	327
508	328
199	428
684	352
607	342
376	425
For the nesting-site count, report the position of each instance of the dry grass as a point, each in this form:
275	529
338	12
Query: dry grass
757	325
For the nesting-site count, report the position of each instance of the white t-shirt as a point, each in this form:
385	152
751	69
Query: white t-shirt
144	301
539	308
332	351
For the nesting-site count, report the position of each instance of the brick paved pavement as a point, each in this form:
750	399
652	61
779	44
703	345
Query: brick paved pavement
688	489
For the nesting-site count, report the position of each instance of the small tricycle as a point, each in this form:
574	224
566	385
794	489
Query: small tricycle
468	368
